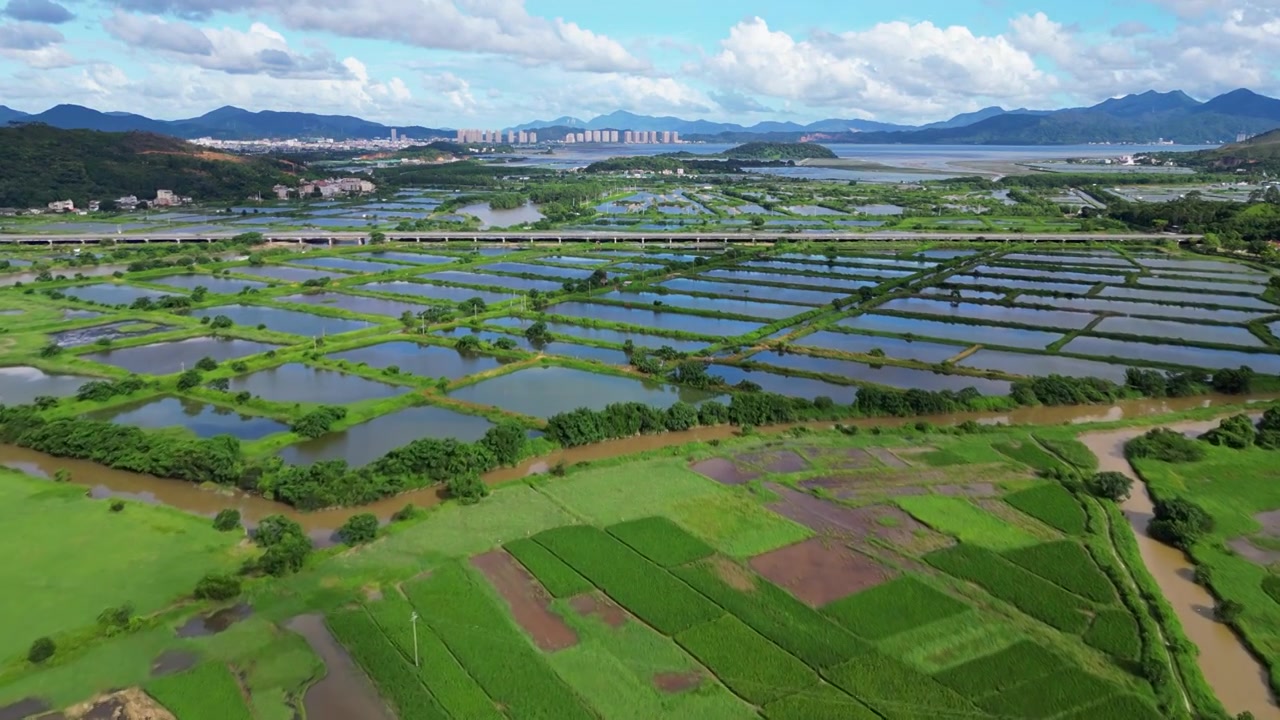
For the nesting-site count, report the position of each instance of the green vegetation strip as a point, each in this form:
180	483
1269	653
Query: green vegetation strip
1070	688
824	702
559	579
1067	565
455	690
772	612
897	690
645	589
990	674
481	635
661	540
1026	591
209	692
1117	707
1051	504
894	607
396	678
1115	632
752	667
965	521
1028	453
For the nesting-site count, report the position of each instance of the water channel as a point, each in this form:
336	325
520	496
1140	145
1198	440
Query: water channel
1236	676
344	692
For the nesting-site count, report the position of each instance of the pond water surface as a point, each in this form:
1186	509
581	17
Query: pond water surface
990	313
348	264
806	388
548	390
608	335
430	361
355	303
283	273
919	350
201	418
362	444
1011	284
574	273
1125	307
748	308
748	276
527	213
298	383
21	384
890	375
503	281
108	294
286	321
119	330
1192	332
1190	298
437	292
1043	365
408	257
758	292
648	318
985	334
1173	354
171	357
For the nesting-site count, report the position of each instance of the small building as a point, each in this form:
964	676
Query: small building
62	206
282	191
128	202
165	198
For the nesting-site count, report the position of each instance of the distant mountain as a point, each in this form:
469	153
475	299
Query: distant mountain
1261	152
1147	104
8	115
624	120
41	164
1244	103
225	123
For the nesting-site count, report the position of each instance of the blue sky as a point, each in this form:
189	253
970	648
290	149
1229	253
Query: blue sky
496	63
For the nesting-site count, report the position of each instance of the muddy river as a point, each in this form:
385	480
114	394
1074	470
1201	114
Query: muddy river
344	692
1238	679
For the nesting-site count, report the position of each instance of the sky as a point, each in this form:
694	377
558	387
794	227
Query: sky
497	63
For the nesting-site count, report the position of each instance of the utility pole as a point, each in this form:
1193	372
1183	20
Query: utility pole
413	620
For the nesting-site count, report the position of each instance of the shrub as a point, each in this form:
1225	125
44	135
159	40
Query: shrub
1051	504
318	421
408	512
116	506
1109	485
1165	445
217	587
226	519
467	489
116	619
893	607
287	546
189	379
559	579
359	529
41	649
1069	566
752	667
1179	522
1019	663
206	364
1228	611
661	540
645	589
1026	591
1235	432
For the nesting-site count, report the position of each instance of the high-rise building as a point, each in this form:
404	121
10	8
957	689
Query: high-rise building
582	137
666	137
462	136
626	137
675	137
570	138
613	136
522	137
393	134
533	138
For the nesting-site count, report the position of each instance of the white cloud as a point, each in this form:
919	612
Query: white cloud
895	68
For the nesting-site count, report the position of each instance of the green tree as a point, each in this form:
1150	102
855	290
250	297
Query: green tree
227	519
62	475
218	587
359	529
506	441
377	237
189	379
468	488
206	364
1228	611
41	649
1110	485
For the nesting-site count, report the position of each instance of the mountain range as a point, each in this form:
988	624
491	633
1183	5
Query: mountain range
1139	118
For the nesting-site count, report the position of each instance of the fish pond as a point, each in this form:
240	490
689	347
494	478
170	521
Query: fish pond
436	292
756	292
918	350
1191	332
345	264
408	257
807	388
171	357
1189	298
281	320
22	384
547	390
1043	365
502	281
649	318
282	273
748	276
991	313
984	334
430	361
119	330
890	375
355	303
1125	307
361	444
201	418
1211	359
298	383
518	268
213	284
607	335
109	294
733	306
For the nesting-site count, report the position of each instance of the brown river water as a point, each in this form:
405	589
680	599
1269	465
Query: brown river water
344	693
1235	675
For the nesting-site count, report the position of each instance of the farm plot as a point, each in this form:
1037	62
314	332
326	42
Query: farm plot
819	572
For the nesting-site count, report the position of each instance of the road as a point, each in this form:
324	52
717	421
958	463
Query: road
602	237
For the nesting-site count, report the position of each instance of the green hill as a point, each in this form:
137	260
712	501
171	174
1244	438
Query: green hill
779	151
41	164
1257	154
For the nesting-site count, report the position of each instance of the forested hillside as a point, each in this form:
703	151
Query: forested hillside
41	164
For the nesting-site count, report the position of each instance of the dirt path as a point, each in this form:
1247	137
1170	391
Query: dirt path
530	604
1236	676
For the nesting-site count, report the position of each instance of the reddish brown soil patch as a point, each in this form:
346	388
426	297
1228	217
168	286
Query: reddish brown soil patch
818	514
23	708
887	457
817	572
780	461
529	601
676	682
854	458
589	604
849	487
723	471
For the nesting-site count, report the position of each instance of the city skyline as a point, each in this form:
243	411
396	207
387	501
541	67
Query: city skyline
488	64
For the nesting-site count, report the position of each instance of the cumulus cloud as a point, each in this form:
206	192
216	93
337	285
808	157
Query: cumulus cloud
906	69
261	50
502	27
40	11
1130	29
25	36
736	102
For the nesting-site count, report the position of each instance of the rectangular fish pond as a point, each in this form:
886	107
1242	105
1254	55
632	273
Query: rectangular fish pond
548	390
